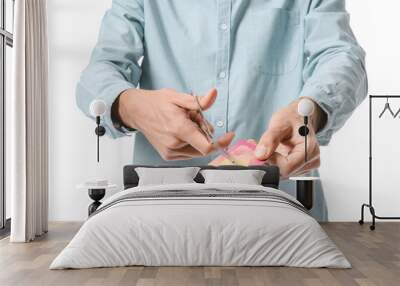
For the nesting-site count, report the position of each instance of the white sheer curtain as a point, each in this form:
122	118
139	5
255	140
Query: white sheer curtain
27	139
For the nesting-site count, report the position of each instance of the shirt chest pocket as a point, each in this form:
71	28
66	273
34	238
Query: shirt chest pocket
273	42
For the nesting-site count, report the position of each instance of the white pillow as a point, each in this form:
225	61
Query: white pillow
166	176
248	177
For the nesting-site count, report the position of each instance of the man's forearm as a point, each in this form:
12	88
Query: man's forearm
118	113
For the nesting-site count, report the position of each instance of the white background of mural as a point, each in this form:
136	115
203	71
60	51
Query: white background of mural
73	28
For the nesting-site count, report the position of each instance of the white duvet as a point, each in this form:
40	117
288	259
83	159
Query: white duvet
185	231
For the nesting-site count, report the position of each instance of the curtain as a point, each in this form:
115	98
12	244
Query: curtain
27	135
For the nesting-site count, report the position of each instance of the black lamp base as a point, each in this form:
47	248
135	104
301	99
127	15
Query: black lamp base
96	195
305	193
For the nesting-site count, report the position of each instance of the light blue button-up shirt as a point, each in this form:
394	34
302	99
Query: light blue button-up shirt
259	54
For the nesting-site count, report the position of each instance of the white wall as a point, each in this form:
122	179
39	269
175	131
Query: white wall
344	168
73	28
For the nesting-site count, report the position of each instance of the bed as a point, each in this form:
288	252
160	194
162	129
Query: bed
201	224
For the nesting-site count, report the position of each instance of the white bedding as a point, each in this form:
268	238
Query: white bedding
183	231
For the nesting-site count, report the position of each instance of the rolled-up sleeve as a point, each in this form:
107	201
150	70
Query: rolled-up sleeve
334	74
114	64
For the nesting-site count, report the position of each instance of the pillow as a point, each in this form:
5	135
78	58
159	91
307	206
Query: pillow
166	176
248	177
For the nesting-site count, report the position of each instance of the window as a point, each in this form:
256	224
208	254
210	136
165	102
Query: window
6	44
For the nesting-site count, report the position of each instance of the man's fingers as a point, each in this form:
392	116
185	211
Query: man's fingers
194	136
208	100
189	101
294	162
296	159
286	165
188	151
173	153
279	160
268	143
204	124
311	165
313	161
224	141
220	143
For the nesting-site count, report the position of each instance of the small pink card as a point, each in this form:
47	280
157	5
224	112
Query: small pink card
242	153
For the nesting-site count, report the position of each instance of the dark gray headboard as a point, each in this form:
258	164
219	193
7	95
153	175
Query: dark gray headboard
270	179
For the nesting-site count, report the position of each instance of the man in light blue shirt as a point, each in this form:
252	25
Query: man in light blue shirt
252	61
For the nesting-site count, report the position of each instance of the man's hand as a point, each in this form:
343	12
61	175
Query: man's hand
170	121
282	145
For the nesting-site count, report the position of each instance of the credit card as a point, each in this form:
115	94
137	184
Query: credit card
243	154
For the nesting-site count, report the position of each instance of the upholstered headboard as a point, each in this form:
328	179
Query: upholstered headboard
270	179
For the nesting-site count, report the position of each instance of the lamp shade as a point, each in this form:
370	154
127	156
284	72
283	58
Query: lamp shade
305	107
98	107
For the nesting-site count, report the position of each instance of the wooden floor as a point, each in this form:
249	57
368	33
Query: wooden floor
375	257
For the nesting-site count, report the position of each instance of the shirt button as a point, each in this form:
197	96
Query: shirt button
222	75
220	123
224	27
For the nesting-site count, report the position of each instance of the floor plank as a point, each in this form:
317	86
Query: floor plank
375	257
